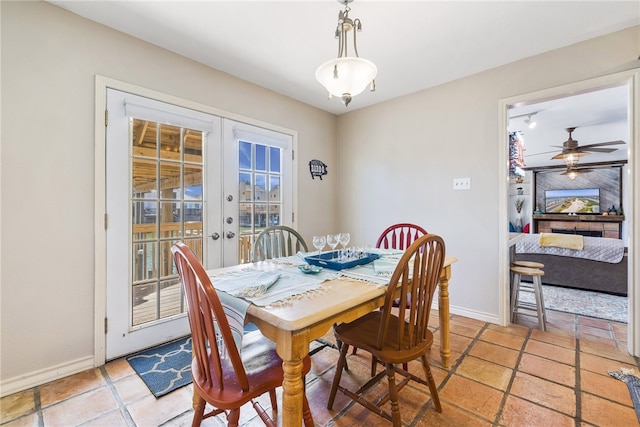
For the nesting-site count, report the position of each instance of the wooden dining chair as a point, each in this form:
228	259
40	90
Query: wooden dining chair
223	375
277	241
397	236
396	339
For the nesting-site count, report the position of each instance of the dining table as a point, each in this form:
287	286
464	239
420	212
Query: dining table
295	324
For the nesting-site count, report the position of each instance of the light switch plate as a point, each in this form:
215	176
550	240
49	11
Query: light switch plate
462	183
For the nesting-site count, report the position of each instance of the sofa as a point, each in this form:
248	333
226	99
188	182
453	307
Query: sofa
600	266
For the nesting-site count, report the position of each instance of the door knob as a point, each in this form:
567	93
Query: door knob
215	236
230	234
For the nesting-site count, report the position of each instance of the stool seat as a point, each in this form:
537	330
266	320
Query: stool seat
527	271
526	309
530	264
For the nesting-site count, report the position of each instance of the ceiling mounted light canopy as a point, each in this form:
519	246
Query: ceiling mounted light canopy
529	122
347	76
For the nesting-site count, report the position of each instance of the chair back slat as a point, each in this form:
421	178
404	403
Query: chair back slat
415	278
399	236
277	241
209	325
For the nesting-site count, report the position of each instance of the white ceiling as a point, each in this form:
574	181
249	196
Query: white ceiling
415	44
598	116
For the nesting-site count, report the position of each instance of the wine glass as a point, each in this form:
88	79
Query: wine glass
319	242
344	241
332	240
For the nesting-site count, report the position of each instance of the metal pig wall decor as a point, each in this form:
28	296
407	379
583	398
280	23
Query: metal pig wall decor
317	168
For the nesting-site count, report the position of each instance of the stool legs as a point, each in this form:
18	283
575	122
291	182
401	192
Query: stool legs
535	288
515	295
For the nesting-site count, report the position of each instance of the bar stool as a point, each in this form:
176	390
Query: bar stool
529	264
527	309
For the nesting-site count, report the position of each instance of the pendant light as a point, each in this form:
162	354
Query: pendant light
347	76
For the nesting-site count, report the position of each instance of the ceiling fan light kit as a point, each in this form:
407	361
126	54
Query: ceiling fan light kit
571	153
347	76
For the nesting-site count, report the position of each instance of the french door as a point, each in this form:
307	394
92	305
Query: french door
176	174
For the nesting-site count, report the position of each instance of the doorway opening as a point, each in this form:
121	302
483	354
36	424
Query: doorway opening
626	82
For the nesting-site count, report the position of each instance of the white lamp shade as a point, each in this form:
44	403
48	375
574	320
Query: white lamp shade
354	74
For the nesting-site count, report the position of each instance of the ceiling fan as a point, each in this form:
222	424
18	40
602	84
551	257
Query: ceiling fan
572	171
571	151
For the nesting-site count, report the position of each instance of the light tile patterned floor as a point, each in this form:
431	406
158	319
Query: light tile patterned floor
514	376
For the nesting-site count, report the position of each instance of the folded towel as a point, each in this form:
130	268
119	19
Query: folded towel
568	241
259	286
235	310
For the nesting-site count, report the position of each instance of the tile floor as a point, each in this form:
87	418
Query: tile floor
514	376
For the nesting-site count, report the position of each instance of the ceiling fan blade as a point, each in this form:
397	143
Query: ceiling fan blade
601	144
597	150
539	154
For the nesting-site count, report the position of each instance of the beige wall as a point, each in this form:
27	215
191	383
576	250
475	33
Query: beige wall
49	61
394	162
398	159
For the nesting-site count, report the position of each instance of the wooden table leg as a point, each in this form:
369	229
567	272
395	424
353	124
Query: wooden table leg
291	349
443	310
292	393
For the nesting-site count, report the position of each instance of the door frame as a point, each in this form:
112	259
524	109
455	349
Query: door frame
631	79
100	246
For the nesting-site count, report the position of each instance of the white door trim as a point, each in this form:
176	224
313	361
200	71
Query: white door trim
632	79
100	252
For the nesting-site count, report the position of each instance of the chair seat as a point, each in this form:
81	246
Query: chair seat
362	333
262	365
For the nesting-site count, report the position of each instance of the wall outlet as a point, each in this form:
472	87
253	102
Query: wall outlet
461	183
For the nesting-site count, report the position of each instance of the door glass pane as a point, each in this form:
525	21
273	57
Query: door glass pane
144	220
170	138
274	189
244	160
259	192
144	178
170	220
192	146
274	159
144	307
171	301
144	138
193	182
166	208
261	158
245	188
260	189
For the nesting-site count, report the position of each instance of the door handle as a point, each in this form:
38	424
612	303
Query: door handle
215	236
230	234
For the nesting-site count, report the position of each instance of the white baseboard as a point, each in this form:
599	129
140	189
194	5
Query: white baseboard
478	315
43	376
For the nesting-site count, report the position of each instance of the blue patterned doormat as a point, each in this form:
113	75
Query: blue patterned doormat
164	368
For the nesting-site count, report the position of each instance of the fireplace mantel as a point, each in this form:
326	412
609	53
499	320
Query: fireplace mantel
608	225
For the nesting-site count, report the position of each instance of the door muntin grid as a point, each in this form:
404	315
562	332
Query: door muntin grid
167	206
